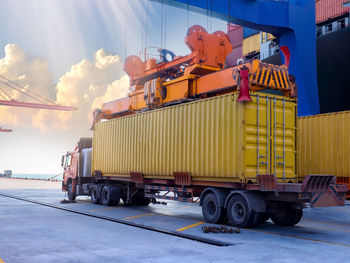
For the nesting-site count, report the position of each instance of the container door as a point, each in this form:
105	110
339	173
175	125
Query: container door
282	139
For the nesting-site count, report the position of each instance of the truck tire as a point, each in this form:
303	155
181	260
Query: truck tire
286	215
140	199
239	213
106	195
297	214
71	195
115	195
95	195
211	210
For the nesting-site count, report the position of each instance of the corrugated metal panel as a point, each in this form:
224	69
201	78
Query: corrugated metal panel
213	139
251	44
231	59
247	32
328	9
324	144
236	37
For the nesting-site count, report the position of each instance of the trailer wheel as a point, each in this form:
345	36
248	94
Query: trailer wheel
106	195
264	217
239	213
140	199
211	210
297	214
95	197
115	195
286	215
71	195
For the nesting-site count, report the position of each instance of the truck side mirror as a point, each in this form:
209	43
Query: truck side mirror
62	161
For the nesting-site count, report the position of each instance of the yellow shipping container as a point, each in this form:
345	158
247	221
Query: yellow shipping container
324	144
251	44
215	139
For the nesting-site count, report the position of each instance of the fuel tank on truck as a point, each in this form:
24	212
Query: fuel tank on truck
214	139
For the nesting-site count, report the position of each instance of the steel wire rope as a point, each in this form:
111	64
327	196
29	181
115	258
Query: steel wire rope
207	15
165	24
161	24
146	33
8	96
211	15
29	95
125	33
229	12
12	84
142	27
188	14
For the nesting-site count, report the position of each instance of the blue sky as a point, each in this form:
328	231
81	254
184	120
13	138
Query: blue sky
65	31
66	35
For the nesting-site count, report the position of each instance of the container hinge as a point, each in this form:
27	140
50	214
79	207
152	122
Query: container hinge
263	163
280	163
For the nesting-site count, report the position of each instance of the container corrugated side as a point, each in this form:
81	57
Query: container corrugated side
324	144
213	139
251	44
328	9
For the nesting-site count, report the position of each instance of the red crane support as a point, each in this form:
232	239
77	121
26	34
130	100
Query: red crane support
40	101
5	130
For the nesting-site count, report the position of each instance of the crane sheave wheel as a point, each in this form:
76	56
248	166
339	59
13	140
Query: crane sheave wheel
71	194
95	197
211	210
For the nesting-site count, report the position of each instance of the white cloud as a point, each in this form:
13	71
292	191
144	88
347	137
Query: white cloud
87	85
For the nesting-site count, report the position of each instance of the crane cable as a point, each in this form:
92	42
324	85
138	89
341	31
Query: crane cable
229	12
142	27
161	25
125	33
211	15
188	14
146	24
8	96
11	84
207	15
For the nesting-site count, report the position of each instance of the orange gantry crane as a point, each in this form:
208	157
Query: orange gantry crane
8	86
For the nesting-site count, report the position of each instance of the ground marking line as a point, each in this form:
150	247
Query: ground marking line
302	238
132	217
124	222
102	209
190	226
327	222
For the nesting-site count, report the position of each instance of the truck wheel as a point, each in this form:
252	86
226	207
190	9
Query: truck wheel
141	201
239	213
71	195
95	197
297	214
106	195
115	195
285	215
211	210
263	218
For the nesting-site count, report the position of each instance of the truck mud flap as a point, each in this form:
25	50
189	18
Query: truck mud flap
334	196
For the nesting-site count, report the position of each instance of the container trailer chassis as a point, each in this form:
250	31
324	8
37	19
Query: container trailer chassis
241	204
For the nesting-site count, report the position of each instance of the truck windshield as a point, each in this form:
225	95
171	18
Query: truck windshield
68	161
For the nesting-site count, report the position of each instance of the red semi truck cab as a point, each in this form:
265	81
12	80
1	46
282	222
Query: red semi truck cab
77	168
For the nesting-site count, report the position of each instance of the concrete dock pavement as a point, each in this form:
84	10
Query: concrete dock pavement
35	233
